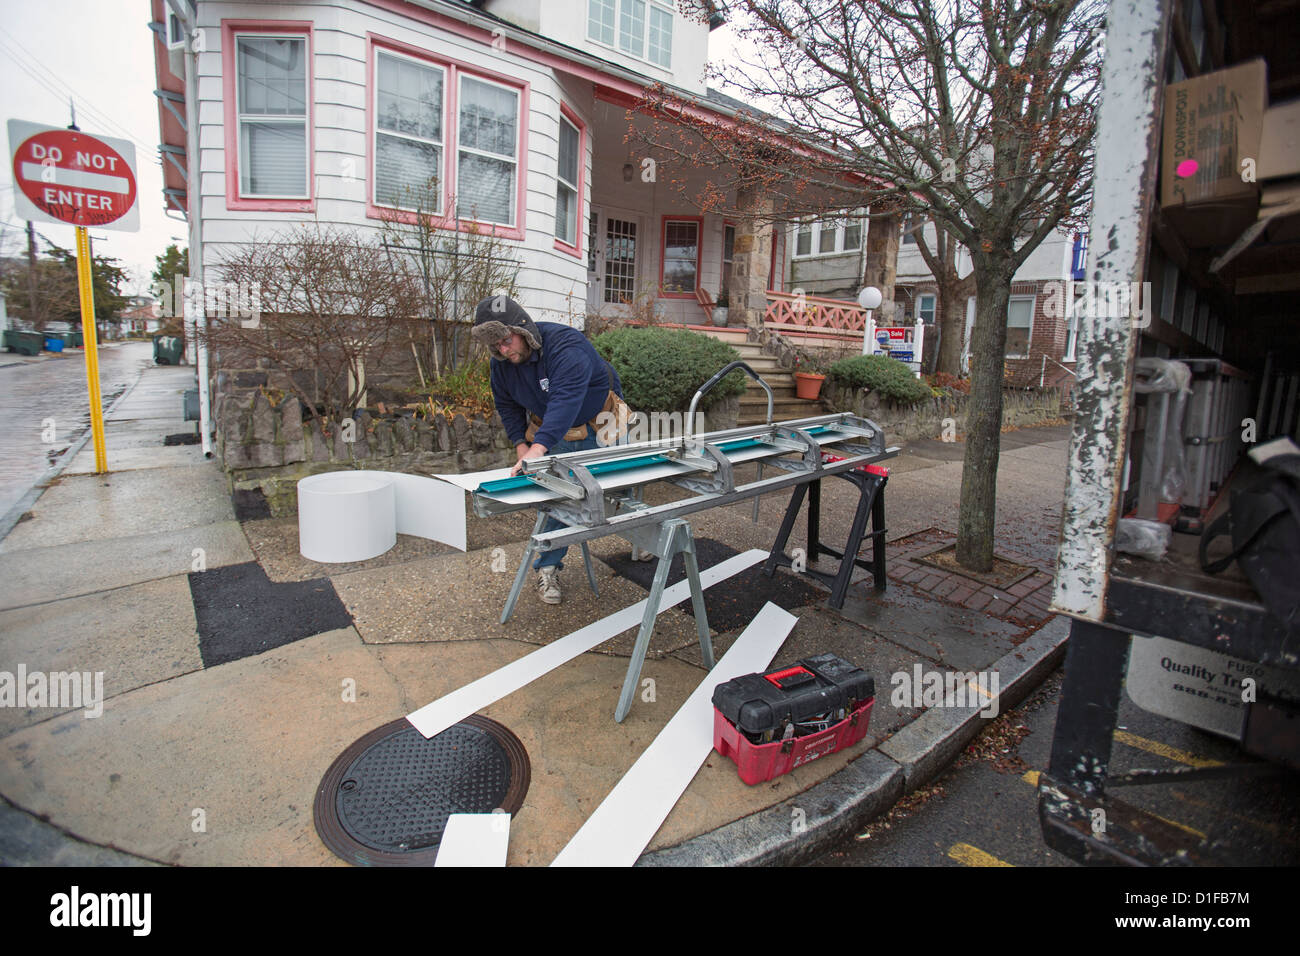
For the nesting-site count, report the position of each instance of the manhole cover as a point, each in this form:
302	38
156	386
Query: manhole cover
386	799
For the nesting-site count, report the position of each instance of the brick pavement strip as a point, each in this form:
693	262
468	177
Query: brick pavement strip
977	601
946	587
961	593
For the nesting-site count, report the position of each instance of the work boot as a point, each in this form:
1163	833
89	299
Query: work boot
548	585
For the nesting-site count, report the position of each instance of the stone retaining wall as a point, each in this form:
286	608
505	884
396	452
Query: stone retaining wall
269	448
266	447
930	419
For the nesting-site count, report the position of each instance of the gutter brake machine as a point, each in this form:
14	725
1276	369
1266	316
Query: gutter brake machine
600	492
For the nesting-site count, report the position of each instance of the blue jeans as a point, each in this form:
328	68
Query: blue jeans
555	557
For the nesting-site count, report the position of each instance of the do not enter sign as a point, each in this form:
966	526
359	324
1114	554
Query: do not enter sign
67	176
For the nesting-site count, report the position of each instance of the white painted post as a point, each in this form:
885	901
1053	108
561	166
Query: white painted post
869	298
918	335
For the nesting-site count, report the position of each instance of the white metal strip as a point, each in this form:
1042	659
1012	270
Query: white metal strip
474	839
436	717
627	819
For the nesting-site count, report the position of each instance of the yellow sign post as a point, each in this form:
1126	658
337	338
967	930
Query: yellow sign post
67	176
91	342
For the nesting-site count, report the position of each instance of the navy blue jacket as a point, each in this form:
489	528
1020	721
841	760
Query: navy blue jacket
565	384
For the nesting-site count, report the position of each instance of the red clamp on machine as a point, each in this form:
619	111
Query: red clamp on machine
870	482
771	723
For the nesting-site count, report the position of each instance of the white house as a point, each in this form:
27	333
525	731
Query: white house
1040	344
334	109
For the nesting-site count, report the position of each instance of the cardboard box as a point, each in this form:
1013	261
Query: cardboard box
1279	143
1211	123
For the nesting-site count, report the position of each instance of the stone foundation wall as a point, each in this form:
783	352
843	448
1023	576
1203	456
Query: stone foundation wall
929	419
265	446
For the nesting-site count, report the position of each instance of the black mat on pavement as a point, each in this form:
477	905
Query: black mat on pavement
732	603
241	612
250	504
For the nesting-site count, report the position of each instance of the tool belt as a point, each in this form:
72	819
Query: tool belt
608	430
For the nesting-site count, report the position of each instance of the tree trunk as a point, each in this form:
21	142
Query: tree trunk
951	321
976	525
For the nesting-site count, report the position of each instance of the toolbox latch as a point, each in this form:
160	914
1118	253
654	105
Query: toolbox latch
795	676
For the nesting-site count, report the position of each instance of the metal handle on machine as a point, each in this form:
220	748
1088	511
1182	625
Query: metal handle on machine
723	373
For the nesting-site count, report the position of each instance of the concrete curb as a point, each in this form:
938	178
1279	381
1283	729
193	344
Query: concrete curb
873	783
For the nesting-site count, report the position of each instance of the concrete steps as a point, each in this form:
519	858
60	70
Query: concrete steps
753	403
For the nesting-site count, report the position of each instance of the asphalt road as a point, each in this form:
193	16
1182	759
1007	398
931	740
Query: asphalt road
45	407
983	812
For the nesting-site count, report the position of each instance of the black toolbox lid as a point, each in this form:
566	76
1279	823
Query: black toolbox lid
756	703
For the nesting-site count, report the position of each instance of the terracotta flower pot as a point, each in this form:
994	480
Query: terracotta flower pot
808	385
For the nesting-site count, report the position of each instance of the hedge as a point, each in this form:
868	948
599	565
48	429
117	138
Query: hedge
888	377
661	369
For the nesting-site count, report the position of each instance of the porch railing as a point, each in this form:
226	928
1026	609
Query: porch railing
812	313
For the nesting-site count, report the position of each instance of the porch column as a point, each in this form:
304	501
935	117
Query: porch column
881	268
751	263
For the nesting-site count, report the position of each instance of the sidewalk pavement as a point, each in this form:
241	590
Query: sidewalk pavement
235	671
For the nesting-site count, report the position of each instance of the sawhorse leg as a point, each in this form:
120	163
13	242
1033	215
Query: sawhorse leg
871	506
675	537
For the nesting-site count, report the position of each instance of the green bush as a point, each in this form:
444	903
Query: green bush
661	369
888	377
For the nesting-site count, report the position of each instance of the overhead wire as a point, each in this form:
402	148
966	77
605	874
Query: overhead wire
25	60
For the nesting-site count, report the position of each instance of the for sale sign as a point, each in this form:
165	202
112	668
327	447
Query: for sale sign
63	175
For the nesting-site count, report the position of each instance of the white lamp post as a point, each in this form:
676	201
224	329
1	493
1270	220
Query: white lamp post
869	298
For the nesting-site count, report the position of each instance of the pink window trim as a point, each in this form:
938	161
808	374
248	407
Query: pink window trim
229	28
453	70
576	249
699	252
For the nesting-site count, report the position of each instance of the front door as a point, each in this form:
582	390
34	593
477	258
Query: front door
611	263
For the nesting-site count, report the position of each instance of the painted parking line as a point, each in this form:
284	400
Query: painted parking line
968	855
1031	778
1164	750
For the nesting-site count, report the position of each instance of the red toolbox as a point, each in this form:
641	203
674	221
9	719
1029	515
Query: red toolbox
771	723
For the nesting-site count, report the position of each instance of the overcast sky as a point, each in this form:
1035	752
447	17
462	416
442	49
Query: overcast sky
99	53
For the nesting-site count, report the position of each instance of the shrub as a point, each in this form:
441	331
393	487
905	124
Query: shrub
886	376
661	369
470	385
942	380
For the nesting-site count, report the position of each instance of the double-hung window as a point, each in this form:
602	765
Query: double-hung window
640	28
566	183
681	256
925	308
408	133
487	164
1020	325
463	161
271	115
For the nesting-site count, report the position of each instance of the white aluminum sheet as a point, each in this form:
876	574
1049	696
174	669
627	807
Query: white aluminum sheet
474	839
436	717
627	819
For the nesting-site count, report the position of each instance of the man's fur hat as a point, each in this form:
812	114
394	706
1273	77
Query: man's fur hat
498	316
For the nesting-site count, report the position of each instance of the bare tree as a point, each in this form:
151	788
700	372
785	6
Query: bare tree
979	115
456	268
323	304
